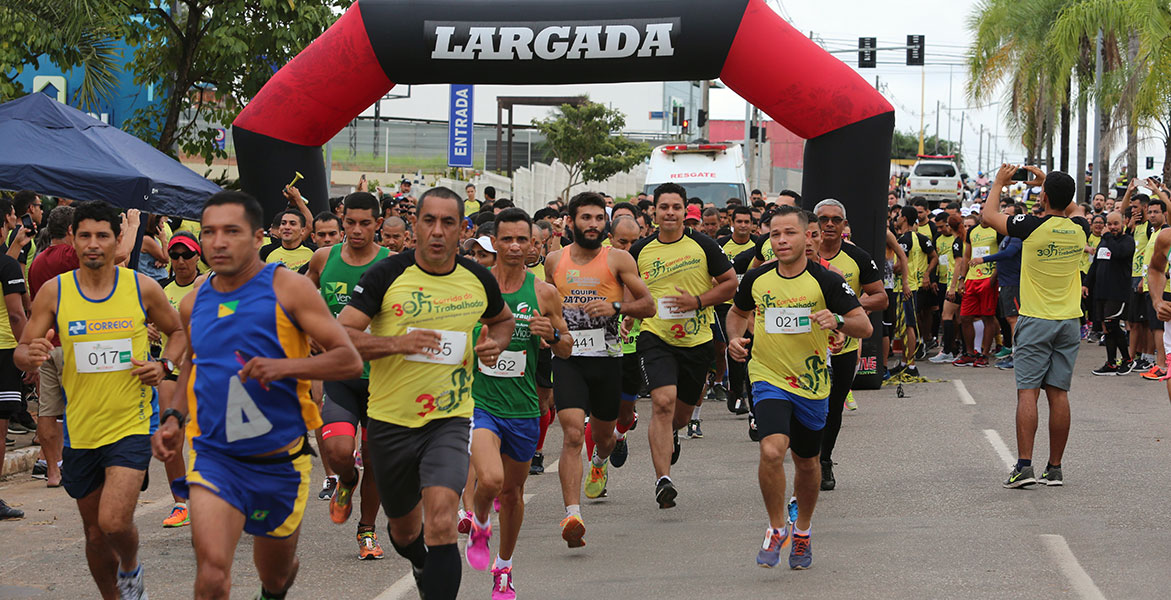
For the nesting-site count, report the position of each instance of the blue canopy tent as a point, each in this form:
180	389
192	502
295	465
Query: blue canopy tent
55	149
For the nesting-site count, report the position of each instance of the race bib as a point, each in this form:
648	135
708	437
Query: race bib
787	320
666	312
103	356
944	259
452	345
586	341
980	251
510	364
1103	253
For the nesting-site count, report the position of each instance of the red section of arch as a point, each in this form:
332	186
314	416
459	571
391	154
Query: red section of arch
792	79
322	89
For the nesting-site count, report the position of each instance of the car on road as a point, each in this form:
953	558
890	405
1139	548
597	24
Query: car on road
936	178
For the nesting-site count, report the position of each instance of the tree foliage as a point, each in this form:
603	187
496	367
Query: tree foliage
585	139
906	145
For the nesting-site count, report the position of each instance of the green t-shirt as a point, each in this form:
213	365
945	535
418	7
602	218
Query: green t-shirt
338	279
509	390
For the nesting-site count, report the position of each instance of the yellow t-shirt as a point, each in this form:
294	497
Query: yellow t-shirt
1148	250
399	296
688	263
732	249
1051	284
11	282
293	259
104	402
918	249
943	245
984	241
788	348
858	269
1088	256
1141	234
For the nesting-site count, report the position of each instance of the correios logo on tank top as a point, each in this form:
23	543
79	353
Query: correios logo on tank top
424	304
104	325
545	40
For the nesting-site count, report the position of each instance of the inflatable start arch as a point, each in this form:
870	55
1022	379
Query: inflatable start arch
378	43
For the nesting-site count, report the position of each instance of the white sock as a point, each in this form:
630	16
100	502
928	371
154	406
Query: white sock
802	532
573	510
695	413
667	477
479	523
501	563
597	461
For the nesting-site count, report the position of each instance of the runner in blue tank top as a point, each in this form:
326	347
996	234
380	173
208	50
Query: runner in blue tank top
244	388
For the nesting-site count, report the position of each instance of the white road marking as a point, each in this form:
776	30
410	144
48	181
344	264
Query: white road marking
999	446
962	391
528	497
1081	582
399	589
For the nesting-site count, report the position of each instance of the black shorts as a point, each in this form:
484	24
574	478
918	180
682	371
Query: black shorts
1109	310
924	299
545	369
344	406
774	415
1153	322
1010	301
685	368
83	471
720	322
888	313
10	380
408	459
1137	311
631	375
591	383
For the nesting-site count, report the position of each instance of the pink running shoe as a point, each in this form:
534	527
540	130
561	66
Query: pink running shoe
479	557
465	522
502	584
496	504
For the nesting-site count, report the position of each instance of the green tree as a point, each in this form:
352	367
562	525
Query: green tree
906	145
586	140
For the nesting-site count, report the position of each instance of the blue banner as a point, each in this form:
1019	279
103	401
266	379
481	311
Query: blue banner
459	126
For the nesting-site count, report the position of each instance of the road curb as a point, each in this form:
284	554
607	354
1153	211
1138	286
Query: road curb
19	461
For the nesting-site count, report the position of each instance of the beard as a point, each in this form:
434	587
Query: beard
580	238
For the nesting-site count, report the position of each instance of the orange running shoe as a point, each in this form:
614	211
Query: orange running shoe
341	503
368	546
573	531
178	517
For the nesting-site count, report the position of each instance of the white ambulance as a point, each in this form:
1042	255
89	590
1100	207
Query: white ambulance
713	172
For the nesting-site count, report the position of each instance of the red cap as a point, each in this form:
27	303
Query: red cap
182	240
693	213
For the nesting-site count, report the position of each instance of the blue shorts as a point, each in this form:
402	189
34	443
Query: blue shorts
811	413
84	470
518	437
272	497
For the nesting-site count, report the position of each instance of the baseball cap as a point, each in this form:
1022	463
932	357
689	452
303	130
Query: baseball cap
188	241
484	241
692	214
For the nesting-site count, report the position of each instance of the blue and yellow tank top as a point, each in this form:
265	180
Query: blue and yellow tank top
244	419
103	401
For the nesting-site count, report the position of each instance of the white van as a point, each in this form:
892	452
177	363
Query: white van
713	172
936	178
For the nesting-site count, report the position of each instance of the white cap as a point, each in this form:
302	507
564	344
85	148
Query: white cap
484	241
938	211
966	212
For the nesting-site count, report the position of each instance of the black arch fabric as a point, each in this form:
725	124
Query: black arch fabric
378	43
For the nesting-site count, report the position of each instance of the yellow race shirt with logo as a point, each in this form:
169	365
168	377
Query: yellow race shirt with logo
175	294
293	259
943	245
732	249
858	269
11	282
103	401
795	361
1088	255
1148	251
984	241
1051	284
688	263
764	249
918	249
927	230
539	270
1142	233
400	296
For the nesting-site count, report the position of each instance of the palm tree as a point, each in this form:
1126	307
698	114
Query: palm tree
71	34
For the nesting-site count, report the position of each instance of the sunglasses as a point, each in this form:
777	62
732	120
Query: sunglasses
182	255
835	220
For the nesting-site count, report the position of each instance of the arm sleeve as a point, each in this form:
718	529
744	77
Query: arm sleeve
743	260
1083	223
637	247
925	244
717	261
1022	226
491	287
265	251
867	271
743	298
13	277
374	283
759	252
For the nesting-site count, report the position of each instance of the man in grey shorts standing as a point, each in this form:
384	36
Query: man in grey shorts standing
1048	330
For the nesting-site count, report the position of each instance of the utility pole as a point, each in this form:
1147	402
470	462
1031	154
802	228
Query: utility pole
949	78
980	152
705	90
922	104
749	143
937	127
960	149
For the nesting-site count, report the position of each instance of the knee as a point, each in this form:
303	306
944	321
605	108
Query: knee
512	496
111	524
439	528
806	466
94	534
602	432
772	452
490	482
337	455
281	581
662	405
213	579
573	437
402	532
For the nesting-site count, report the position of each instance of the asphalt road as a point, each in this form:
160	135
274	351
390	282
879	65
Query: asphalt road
919	513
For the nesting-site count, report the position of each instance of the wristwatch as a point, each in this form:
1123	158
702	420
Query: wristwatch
170	412
839	321
556	335
617	307
168	364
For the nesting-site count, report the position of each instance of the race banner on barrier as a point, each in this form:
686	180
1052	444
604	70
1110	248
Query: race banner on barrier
459	127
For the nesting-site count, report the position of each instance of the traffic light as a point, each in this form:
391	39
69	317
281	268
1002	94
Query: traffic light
1150	162
867	57
914	50
686	125
678	115
701	117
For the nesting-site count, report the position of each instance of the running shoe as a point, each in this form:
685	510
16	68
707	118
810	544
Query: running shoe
1003	352
801	553
980	362
665	493
178	517
720	392
538	465
40	469
753	432
921	352
696	432
496	504
898	368
327	488
1154	373
942	357
851	403
1020	478
596	484
341	504
678	448
827	476
1139	365
477	552
368	546
130	585
620	453
465	521
1051	476
634	423
573	531
965	360
690	429
1124	368
911	371
1006	364
733	403
769	555
502	584
742	406
7	512
9	441
1107	370
16	428
792	509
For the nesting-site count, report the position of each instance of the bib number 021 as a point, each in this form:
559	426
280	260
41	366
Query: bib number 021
787	320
